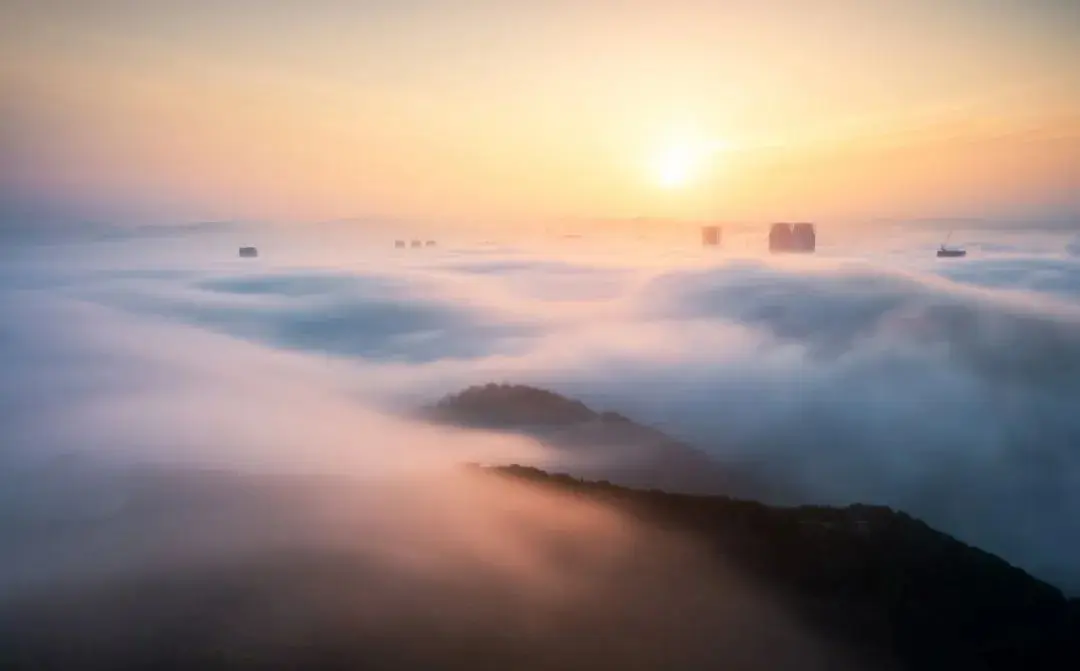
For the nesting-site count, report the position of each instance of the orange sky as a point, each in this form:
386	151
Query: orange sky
474	109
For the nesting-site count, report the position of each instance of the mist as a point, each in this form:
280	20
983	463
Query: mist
171	410
167	488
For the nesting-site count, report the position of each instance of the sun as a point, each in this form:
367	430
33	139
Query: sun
675	168
682	162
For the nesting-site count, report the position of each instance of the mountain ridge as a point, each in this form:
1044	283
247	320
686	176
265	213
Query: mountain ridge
874	576
599	444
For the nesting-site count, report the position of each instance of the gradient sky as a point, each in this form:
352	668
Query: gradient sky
288	110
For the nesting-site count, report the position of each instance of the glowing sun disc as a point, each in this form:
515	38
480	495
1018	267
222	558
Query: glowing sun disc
682	163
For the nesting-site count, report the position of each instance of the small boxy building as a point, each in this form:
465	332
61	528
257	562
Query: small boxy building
399	243
804	237
710	236
248	252
785	237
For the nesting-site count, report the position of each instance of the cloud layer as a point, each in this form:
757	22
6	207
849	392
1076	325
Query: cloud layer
869	374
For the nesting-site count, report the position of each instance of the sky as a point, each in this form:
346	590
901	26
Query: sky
468	109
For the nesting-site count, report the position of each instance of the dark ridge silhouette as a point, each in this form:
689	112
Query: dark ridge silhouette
507	405
599	445
875	578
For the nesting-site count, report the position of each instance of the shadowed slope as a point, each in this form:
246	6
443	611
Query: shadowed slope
874	578
599	445
516	568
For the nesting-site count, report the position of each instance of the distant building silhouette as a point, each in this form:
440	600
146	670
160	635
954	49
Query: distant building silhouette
799	237
805	238
248	252
416	243
399	243
779	237
710	236
429	243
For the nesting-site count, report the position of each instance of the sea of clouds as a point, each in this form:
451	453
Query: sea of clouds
870	372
